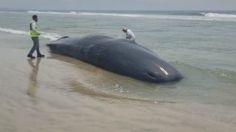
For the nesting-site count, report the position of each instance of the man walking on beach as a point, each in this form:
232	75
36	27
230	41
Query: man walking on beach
34	33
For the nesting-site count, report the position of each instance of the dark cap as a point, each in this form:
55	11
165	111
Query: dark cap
34	16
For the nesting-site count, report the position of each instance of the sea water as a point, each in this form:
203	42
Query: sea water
200	44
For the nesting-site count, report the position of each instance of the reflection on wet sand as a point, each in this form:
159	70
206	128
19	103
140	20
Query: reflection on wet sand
32	87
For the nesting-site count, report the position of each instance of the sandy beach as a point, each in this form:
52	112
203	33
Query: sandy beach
60	94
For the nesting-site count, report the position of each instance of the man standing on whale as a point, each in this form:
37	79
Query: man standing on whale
34	33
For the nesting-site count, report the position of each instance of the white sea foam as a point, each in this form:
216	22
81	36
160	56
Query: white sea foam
52	12
119	15
50	36
13	31
86	13
219	15
112	14
203	17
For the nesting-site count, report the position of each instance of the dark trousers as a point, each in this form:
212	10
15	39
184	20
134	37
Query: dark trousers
35	46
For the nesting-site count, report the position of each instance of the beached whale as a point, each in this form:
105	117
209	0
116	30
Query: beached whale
117	55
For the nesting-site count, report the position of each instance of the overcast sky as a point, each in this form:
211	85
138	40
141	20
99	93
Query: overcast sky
119	4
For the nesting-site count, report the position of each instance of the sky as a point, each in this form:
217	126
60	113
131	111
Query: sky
118	4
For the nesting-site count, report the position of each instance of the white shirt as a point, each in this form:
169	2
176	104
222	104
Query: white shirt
130	35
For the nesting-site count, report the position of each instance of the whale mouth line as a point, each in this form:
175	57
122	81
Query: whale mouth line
151	75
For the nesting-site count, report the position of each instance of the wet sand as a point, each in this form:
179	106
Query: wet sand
60	94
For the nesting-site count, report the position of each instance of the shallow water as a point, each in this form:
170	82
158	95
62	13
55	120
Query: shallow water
59	93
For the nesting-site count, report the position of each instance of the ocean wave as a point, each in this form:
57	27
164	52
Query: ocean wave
87	13
52	12
13	31
113	14
50	36
218	15
206	17
202	17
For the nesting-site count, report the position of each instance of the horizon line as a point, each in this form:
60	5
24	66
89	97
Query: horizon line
8	9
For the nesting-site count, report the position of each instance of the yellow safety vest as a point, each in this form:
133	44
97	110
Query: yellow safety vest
33	30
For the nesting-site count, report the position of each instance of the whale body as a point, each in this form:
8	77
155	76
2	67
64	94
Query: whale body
117	55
